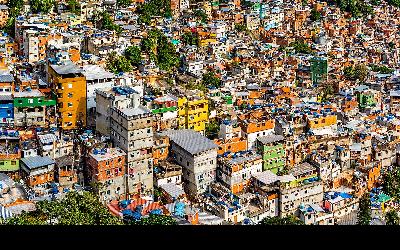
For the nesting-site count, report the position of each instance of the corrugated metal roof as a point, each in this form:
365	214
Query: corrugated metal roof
190	140
270	138
173	190
47	138
37	161
67	68
6	78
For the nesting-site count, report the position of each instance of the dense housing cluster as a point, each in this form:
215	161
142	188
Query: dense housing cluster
205	112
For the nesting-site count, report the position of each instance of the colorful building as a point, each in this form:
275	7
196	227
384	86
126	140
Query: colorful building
165	112
37	171
192	113
107	167
272	149
10	153
70	86
319	69
30	108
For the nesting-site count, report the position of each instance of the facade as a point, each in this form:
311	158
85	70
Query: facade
198	157
132	131
192	113
106	168
235	171
37	171
10	153
70	86
30	108
108	98
273	150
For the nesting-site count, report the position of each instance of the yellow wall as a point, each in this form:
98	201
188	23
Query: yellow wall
322	121
78	99
192	114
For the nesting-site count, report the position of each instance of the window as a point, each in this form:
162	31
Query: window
70	95
20	101
69	114
30	100
70	85
70	104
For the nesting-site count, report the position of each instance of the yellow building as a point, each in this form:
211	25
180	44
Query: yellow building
321	121
70	86
192	113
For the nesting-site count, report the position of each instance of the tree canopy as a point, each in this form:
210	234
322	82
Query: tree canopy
301	47
364	211
210	79
190	38
118	63
154	219
124	3
134	55
160	50
392	218
107	23
359	72
75	209
41	6
315	15
74	6
391	183
288	220
357	8
154	8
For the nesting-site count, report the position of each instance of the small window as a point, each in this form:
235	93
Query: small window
70	85
30	100
69	104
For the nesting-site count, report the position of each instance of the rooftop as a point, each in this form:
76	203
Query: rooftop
190	140
37	161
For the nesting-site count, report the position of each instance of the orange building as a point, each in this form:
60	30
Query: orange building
107	167
233	145
37	171
70	86
160	148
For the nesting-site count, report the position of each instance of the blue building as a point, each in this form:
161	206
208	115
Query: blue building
6	110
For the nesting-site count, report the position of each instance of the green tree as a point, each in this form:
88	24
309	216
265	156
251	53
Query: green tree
160	50
74	6
315	15
154	8
288	220
134	55
201	14
41	6
392	218
210	79
240	27
364	211
301	47
190	38
77	208
212	129
154	219
361	72
124	3
107	22
117	64
395	3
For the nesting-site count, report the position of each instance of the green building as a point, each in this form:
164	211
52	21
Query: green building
272	148
30	108
319	69
365	97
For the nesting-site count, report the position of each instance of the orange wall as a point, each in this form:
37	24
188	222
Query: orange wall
78	99
101	168
40	179
233	145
